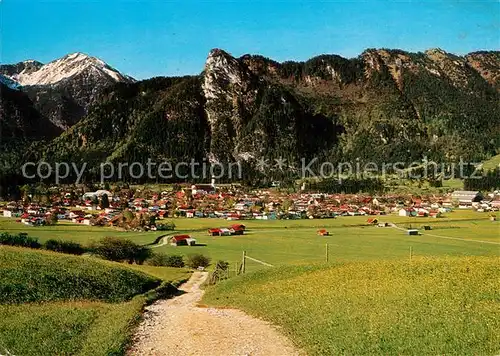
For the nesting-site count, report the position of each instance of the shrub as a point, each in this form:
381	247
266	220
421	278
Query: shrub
72	248
22	239
120	250
168	226
197	260
222	265
161	259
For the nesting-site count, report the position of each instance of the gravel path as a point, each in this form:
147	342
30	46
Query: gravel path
178	327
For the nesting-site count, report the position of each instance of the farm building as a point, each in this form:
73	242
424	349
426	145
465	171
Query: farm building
466	197
214	232
182	240
238	227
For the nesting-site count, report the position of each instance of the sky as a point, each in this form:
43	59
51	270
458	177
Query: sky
159	38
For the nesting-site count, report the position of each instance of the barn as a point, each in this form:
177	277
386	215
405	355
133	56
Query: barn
237	229
182	240
214	232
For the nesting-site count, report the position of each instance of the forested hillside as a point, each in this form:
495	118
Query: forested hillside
383	106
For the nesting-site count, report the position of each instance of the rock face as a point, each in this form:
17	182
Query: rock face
383	106
230	91
64	89
486	63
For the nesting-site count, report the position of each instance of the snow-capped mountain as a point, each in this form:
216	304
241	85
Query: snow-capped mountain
65	68
63	90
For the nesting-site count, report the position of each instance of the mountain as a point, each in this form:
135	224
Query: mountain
12	84
19	119
64	89
382	106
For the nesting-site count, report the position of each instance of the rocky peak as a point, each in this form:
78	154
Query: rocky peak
223	73
29	66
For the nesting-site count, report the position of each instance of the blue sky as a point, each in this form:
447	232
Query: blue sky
151	38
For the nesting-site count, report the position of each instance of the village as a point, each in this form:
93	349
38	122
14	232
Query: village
147	210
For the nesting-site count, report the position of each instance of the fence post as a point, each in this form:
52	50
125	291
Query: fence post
326	253
243	262
411	253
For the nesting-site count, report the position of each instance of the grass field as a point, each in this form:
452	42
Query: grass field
426	306
361	260
69	310
296	242
75	232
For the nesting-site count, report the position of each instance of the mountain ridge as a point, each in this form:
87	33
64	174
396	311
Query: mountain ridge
384	106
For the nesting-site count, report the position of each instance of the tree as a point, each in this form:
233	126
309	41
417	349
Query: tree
51	219
197	260
104	201
120	250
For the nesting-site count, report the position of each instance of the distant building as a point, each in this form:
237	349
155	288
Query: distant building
203	189
466	196
97	194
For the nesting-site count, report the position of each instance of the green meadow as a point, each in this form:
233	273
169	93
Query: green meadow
279	242
56	304
439	300
426	306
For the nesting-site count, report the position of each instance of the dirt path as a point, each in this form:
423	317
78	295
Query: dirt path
178	327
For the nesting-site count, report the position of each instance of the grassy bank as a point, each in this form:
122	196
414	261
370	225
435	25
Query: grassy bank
426	306
60	304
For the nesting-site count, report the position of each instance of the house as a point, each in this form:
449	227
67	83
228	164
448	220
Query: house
7	214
